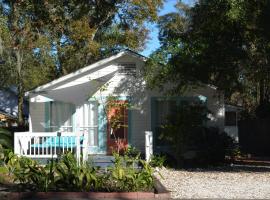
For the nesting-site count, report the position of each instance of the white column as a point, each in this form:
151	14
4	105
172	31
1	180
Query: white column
85	147
148	145
30	123
78	134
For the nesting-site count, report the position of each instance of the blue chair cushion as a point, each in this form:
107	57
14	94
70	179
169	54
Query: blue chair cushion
59	142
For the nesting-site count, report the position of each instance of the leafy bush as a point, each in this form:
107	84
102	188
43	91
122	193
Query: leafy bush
68	175
71	176
179	127
132	152
6	138
209	146
157	160
29	174
2	155
192	144
125	176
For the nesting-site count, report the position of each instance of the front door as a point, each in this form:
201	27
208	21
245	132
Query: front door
117	129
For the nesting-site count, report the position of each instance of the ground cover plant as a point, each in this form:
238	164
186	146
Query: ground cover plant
128	174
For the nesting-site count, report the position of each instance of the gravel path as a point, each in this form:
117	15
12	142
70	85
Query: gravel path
217	184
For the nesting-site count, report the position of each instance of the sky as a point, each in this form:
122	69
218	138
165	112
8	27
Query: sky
153	42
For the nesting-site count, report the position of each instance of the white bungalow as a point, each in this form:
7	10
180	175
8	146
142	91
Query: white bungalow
72	108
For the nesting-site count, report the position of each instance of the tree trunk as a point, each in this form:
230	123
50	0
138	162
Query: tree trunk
20	105
20	88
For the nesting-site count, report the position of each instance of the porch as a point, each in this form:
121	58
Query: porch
49	145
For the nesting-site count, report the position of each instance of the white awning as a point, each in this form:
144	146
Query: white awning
76	91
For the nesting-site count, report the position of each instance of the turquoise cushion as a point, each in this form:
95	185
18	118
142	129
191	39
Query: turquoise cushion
52	141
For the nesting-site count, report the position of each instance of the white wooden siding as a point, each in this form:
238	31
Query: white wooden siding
37	112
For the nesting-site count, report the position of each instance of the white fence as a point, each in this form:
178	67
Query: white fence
50	144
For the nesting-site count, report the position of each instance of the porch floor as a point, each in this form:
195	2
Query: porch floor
102	161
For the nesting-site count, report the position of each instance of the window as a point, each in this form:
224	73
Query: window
165	110
127	68
61	116
230	118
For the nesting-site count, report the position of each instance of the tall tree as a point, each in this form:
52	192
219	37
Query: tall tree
48	38
86	31
25	49
221	42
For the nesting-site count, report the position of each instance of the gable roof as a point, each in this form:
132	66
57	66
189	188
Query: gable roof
87	68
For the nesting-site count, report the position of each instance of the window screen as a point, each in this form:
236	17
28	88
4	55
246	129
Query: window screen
127	68
61	116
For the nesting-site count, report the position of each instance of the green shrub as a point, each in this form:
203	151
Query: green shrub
157	160
67	175
6	138
132	152
191	143
209	146
29	174
2	155
125	176
71	176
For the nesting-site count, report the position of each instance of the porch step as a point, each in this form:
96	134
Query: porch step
102	161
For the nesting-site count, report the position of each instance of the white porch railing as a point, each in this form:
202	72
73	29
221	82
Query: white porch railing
50	144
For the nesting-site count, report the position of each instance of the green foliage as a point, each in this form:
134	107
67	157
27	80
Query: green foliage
125	176
6	138
86	31
29	174
192	143
41	40
67	175
210	147
157	160
132	152
222	42
2	155
180	125
235	152
75	178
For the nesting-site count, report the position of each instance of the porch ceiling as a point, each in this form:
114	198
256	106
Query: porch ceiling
78	91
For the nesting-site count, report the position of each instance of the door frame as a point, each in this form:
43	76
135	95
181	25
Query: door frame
111	143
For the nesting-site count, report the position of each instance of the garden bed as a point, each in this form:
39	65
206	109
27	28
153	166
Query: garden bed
159	193
128	178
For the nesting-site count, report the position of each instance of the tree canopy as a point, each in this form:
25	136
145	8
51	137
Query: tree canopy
220	42
41	40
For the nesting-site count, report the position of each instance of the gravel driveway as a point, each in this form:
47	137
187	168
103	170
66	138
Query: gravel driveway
226	184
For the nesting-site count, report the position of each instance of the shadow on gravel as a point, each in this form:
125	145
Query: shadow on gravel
230	168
